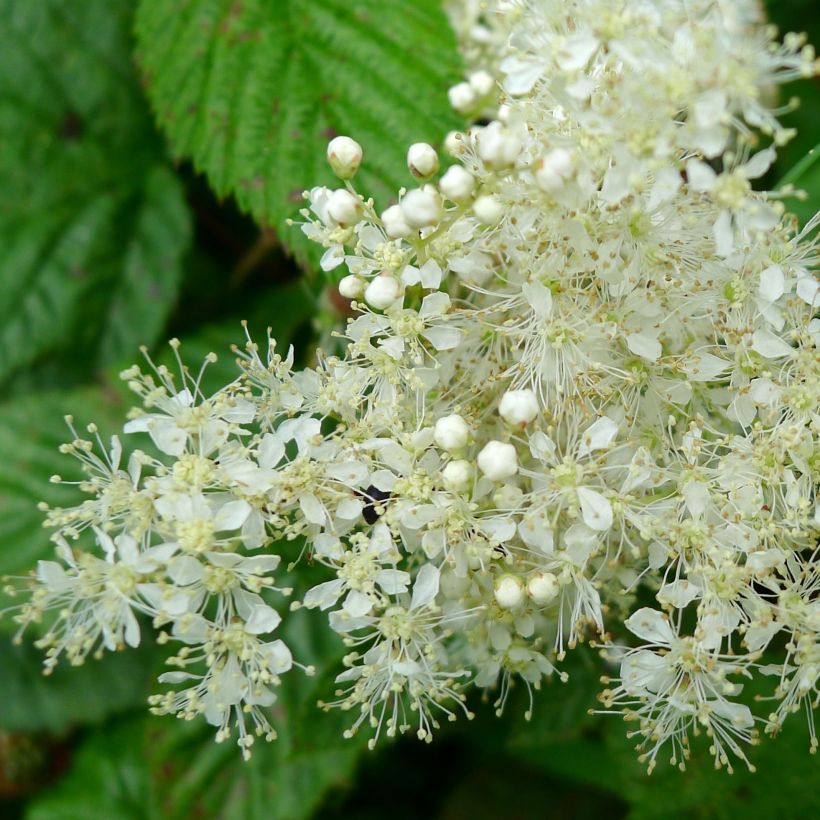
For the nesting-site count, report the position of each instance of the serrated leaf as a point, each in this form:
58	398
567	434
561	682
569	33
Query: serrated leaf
93	224
252	91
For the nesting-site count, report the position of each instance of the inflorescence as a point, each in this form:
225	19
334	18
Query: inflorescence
577	399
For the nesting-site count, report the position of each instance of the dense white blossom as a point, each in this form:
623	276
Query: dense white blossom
584	374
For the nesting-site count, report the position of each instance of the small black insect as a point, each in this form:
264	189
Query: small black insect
374	497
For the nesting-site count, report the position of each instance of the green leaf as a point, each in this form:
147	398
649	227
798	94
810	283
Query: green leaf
93	224
108	779
32	427
252	91
69	696
165	768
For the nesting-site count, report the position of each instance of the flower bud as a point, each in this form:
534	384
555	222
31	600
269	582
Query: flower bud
344	156
554	170
457	183
382	291
422	160
344	208
395	225
518	407
488	210
351	287
482	82
451	433
543	588
457	475
454	143
509	592
497	146
462	97
498	460
422	207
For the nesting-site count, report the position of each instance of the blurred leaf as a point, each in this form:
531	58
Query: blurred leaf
252	92
32	428
93	225
108	779
601	755
283	308
70	695
162	768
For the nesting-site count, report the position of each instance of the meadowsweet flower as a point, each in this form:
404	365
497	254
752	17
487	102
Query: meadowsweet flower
581	367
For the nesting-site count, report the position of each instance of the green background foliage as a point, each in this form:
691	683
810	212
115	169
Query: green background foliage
150	155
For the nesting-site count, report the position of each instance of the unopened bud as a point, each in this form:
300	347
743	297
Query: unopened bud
451	432
395	225
488	210
543	588
554	170
382	291
344	156
482	82
457	183
344	208
422	207
509	592
457	475
351	287
422	160
518	407
497	146
462	97
498	460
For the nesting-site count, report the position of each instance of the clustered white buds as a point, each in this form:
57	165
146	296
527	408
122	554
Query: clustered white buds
582	371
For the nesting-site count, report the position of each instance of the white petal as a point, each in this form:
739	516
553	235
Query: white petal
539	297
324	595
595	509
425	588
357	604
231	516
807	288
597	436
650	625
312	508
434	304
679	593
392	581
279	657
700	176
644	345
772	283
704	367
770	346
759	163
443	338
263	619
697	498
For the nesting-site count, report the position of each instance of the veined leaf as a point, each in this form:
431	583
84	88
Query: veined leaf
252	91
93	224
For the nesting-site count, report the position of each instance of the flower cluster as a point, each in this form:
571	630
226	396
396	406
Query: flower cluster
581	379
